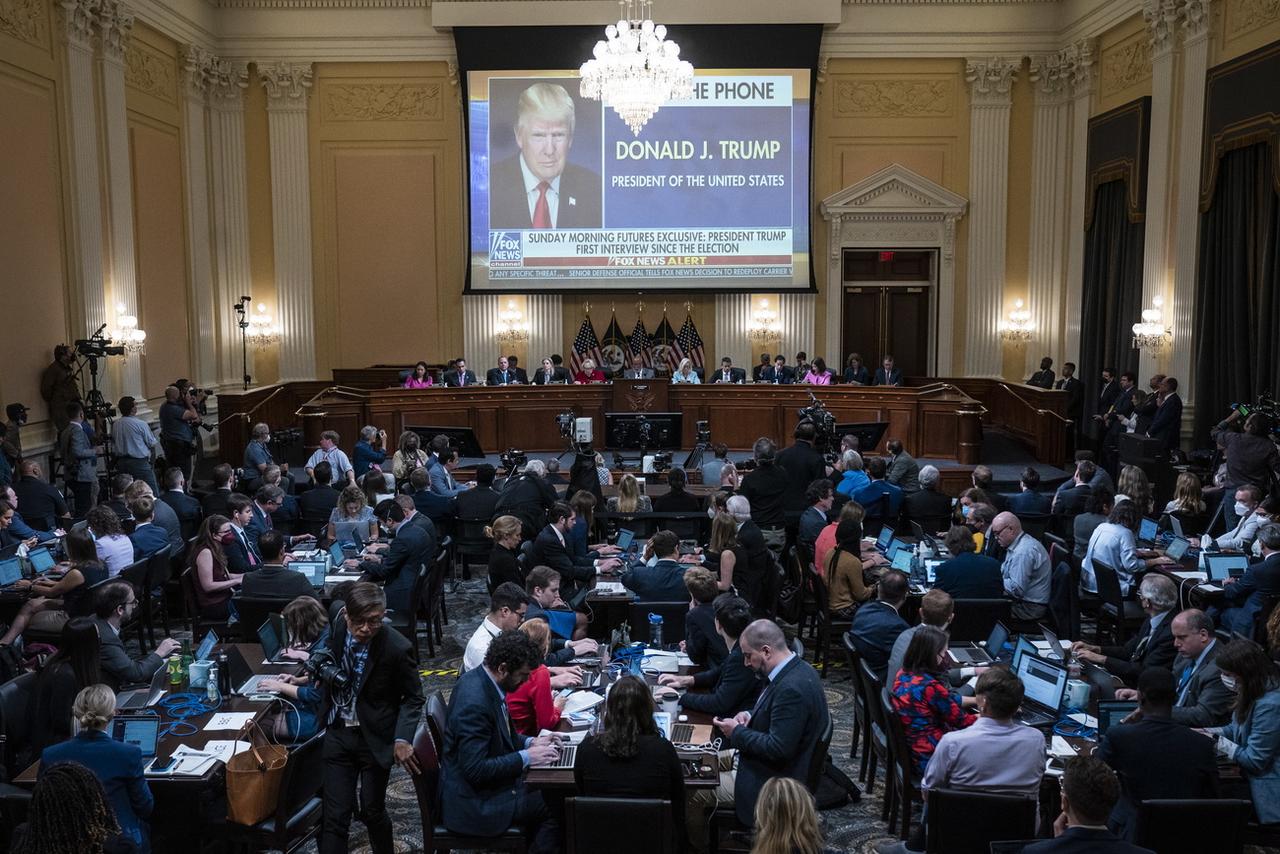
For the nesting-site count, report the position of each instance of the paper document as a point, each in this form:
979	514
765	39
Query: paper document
1061	748
338	579
610	588
228	720
1188	576
1081	718
580	701
225	749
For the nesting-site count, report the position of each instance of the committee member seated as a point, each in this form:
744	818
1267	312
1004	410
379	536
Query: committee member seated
273	579
728	687
1244	597
504	374
483	761
778	373
118	765
459	376
115	602
1026	570
507	608
968	575
685	373
728	373
1152	645
1090	791
419	377
1249	740
637	369
1155	757
550	373
664	580
888	373
876	625
589	373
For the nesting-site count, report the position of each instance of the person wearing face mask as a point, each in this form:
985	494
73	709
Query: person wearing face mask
1241	537
1249	740
208	566
1268	512
1243	597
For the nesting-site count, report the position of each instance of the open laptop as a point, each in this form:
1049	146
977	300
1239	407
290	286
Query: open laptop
973	654
1046	684
679	733
1219	567
931	570
885	539
625	538
1021	648
142	698
243	679
1178	547
142	730
1175	524
314	570
206	646
1148	530
925	537
42	561
902	559
10	571
1056	649
274	638
1112	712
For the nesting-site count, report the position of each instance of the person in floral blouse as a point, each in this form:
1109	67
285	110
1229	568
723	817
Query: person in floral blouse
923	700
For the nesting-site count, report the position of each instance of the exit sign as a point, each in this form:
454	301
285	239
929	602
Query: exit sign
886	257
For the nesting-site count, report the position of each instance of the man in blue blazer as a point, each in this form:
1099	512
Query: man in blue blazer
1029	499
1243	597
888	373
777	737
664	581
147	537
484	759
729	687
398	568
968	575
876	625
1089	792
442	482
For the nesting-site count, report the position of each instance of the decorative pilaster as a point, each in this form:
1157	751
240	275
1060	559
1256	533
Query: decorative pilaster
990	85
287	88
545	316
230	210
1195	63
197	63
1051	75
88	282
114	23
1081	78
1162	18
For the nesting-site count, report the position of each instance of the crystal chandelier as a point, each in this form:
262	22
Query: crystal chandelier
127	334
511	326
764	326
1018	327
262	332
635	69
1151	334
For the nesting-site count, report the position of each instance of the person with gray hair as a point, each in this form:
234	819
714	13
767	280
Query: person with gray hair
739	508
1201	699
528	497
928	505
538	187
1026	570
1152	645
852	476
1245	596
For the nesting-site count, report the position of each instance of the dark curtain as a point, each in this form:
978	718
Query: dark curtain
1112	290
1237	324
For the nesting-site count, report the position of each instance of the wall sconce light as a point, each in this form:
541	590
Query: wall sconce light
262	332
511	326
127	334
1018	327
1151	334
764	322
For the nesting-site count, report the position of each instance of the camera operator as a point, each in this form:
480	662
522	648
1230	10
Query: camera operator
178	423
1251	457
803	465
372	704
58	385
528	496
79	459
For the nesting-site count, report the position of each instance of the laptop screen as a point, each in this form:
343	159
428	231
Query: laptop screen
41	560
1023	647
314	570
624	538
902	559
931	570
997	639
886	537
269	635
10	571
1044	681
1112	712
206	647
1148	529
336	555
1217	567
1177	548
142	730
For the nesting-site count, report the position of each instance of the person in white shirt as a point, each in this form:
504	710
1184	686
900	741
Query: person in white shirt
507	608
1241	537
337	459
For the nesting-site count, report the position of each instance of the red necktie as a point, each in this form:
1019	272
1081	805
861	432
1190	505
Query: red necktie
541	210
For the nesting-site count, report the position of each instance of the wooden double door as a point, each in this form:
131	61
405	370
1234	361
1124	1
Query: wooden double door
893	318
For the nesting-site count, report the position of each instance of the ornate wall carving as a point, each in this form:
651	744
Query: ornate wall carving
388	102
1242	15
25	20
1126	64
148	70
894	98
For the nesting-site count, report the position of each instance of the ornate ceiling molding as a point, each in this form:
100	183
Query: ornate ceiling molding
991	80
286	83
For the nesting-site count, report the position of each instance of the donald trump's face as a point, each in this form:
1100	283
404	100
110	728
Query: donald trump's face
544	144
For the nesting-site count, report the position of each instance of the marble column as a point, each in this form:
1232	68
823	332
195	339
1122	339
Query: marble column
1081	77
481	317
545	316
1049	164
288	88
114	23
196	66
1195	63
229	208
88	284
1162	23
734	313
990	99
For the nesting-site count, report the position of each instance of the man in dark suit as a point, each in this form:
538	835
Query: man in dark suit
1075	393
539	188
513	362
1030	499
1155	757
215	503
440	509
147	537
1043	378
637	370
399	566
760	559
460	376
318	502
877	624
927	505
266	502
1201	700
1166	425
41	500
504	374
880	492
371	720
1113	424
819	496
185	507
550	373
728	373
484	759
549	549
802	464
273	579
777	737
968	575
664	581
758	370
887	373
114	603
1071	497
1152	646
778	373
1090	791
481	502
528	497
728	687
242	552
1243	597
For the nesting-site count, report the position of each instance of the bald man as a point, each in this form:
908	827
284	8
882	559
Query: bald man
1026	571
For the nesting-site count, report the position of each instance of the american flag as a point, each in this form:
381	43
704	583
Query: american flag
664	338
689	343
585	346
640	343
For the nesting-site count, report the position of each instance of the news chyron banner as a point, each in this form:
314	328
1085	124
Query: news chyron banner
713	193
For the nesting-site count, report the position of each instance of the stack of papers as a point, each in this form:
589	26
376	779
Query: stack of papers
610	588
228	720
1061	749
190	762
580	701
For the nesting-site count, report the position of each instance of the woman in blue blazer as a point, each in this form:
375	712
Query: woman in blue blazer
1252	738
118	766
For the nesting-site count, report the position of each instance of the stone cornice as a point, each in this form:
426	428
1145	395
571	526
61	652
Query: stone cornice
991	80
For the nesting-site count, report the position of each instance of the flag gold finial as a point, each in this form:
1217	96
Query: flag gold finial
640	306
688	306
586	308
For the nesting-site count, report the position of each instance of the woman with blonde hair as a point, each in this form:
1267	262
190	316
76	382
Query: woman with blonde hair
503	565
1133	485
725	556
352	513
588	374
408	456
629	499
1187	497
602	471
786	821
685	373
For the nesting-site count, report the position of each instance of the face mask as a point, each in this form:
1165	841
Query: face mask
228	538
966	509
1229	682
1242	509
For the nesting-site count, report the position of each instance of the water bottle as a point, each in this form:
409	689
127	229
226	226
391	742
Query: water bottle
224	675
655	630
211	685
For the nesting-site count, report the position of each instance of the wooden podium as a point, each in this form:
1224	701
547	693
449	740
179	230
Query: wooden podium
641	395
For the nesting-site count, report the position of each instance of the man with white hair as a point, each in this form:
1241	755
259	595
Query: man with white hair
927	505
528	497
759	558
1026	570
1152	645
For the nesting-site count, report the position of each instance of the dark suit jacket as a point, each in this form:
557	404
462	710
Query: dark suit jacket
548	551
215	503
117	667
481	764
927	504
558	375
1156	758
786	723
147	540
970	576
528	498
1107	395
1043	379
451	378
1207	701
894	378
1079	840
186	508
770	375
118	766
275	581
389	694
317	503
759	560
812	521
438	508
238	557
494	377
725	689
400	565
503	566
876	625
1071	501
509	204
803	465
259	524
1167	422
702	643
1244	597
736	375
1028	502
478	503
1130	660
861	376
1075	396
662	582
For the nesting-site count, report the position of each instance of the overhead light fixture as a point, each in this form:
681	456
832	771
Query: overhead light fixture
262	332
127	334
511	326
635	69
764	322
1151	334
1018	327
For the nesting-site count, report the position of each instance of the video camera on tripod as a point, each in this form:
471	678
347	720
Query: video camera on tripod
91	349
824	426
1264	405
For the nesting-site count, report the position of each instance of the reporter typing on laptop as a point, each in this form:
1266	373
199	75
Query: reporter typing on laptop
116	602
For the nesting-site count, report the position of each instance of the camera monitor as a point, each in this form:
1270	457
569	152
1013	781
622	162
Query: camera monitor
463	439
625	430
869	433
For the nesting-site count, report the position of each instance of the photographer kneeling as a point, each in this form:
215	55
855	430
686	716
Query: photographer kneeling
372	704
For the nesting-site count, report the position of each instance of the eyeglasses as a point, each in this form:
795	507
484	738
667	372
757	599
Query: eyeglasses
367	623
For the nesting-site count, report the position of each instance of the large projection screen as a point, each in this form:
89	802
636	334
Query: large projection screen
712	194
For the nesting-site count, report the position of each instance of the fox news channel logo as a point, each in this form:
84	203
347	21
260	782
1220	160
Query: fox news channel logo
506	249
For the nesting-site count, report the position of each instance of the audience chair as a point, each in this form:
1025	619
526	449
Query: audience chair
827	624
591	826
253	611
879	747
1124	616
1175	826
966	822
297	815
876	517
975	618
159	571
1261	616
471	543
861	730
136	574
405	621
15	719
196	624
901	781
1035	524
1011	846
432	604
672	613
437	716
